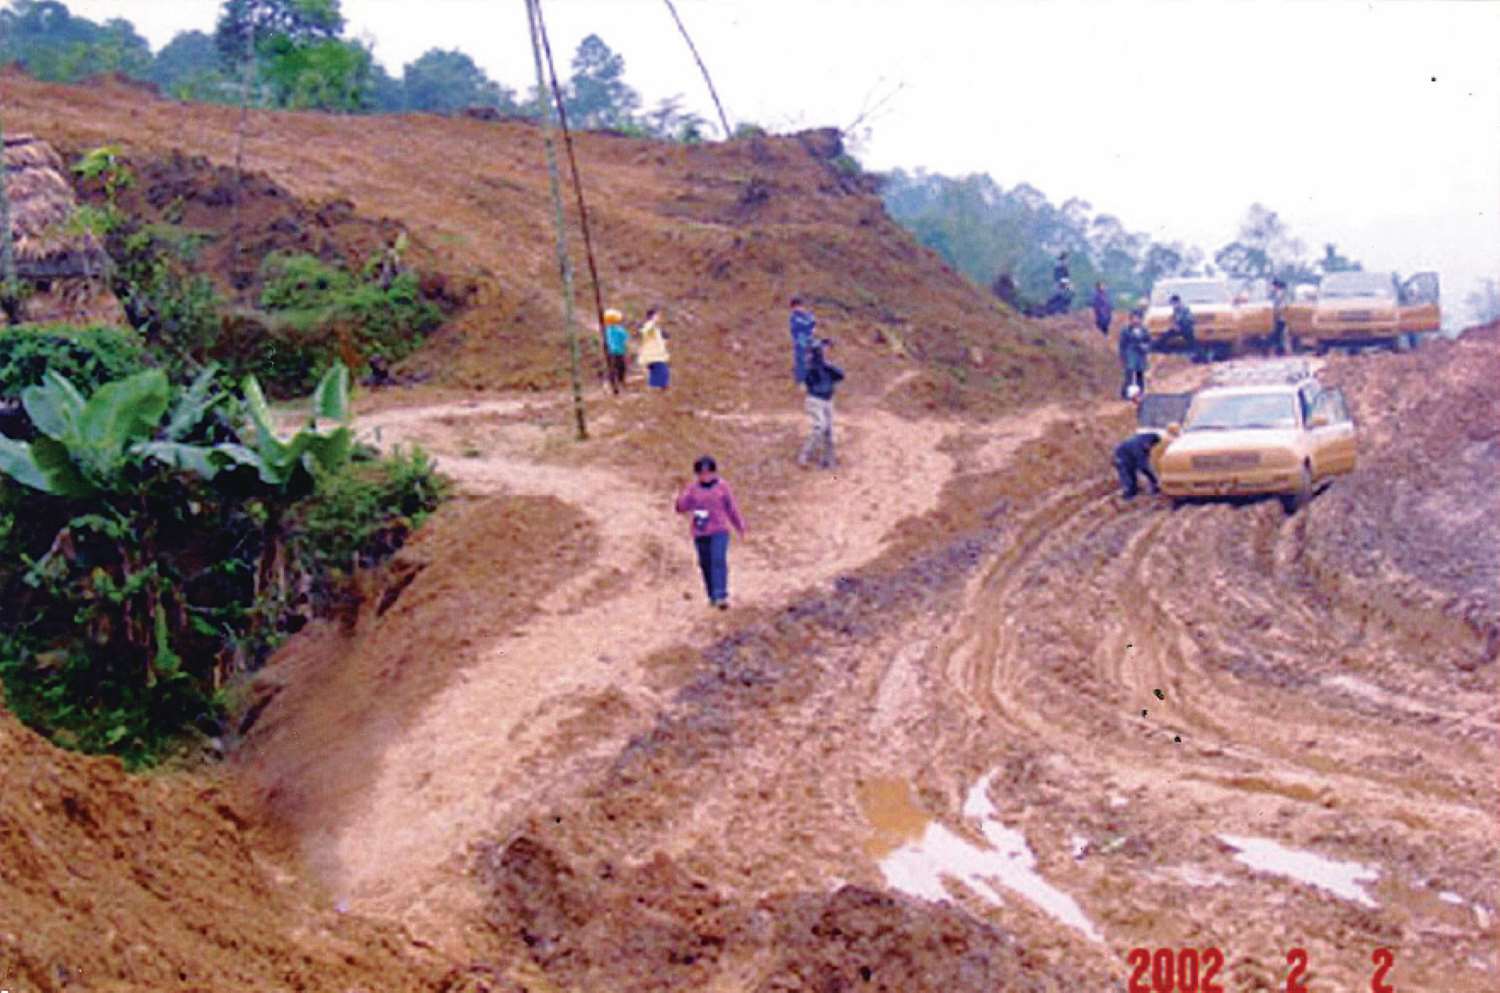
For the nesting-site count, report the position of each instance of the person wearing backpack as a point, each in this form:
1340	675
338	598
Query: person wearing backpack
711	503
821	379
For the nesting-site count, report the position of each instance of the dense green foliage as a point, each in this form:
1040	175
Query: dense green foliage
318	314
445	82
86	357
983	230
986	231
153	544
304	60
58	47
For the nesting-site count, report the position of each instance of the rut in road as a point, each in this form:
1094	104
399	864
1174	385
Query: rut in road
391	833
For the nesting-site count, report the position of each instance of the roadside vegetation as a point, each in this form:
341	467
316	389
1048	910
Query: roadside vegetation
159	535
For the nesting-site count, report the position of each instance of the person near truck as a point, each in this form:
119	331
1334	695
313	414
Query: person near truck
1278	317
1182	326
803	327
1135	348
821	380
710	502
1104	309
1132	456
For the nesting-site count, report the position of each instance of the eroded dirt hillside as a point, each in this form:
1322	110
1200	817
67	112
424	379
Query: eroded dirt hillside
718	235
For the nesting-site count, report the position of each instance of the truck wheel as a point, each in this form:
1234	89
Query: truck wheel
1292	502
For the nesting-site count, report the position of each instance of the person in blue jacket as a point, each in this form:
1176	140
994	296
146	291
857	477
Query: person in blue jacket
803	326
1135	346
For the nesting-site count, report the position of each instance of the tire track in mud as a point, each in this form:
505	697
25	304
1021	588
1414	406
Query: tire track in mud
1241	643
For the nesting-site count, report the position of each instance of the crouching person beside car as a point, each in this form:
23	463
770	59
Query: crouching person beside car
1133	459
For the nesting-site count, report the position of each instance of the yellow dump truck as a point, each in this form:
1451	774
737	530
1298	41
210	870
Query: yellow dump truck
1258	428
1363	309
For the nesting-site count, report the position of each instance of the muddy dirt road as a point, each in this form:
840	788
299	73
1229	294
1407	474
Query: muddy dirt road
983	727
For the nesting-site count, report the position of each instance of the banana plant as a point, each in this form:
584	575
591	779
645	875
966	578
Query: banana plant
85	443
278	461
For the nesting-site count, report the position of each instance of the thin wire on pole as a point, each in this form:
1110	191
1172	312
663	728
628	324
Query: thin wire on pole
564	263
723	118
583	213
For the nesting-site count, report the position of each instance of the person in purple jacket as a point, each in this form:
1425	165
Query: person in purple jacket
711	502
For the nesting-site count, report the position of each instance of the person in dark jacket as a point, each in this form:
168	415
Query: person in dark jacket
1182	327
1132	459
821	380
1060	272
804	327
1278	317
1135	346
1104	309
714	511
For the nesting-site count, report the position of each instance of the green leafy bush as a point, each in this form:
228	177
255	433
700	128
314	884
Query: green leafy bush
357	518
87	357
151	547
319	314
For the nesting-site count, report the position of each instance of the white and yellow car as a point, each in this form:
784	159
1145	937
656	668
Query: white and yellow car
1261	428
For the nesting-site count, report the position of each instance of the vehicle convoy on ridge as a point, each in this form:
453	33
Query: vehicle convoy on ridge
1360	309
1262	428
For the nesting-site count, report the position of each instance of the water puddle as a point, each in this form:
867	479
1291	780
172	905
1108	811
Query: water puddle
919	856
1342	879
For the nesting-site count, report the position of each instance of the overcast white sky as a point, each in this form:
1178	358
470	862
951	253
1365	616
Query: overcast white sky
1374	125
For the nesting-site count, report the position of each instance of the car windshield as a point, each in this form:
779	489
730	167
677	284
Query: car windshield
1350	285
1242	410
1208	291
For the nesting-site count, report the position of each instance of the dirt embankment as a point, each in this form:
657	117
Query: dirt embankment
720	235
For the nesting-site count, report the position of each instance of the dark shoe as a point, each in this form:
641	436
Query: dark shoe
1128	496
722	604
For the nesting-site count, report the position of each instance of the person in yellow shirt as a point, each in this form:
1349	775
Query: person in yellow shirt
653	353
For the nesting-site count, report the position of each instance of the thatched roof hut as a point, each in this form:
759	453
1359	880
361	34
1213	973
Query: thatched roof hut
65	266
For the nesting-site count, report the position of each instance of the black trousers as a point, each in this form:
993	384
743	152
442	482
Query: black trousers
1136	376
1127	468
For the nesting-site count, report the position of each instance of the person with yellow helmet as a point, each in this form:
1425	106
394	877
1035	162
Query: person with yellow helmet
616	340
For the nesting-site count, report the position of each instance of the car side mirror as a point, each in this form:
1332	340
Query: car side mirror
1318	421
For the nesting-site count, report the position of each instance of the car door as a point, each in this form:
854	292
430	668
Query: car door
1420	309
1343	441
1315	426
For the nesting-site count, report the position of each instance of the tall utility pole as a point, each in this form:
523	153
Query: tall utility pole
8	285
564	263
723	118
247	78
583	210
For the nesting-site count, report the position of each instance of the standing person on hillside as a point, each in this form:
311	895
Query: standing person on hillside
1104	309
653	354
1060	273
616	342
821	380
1135	345
711	502
803	327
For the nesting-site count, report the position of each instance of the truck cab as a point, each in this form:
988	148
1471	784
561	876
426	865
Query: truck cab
1361	309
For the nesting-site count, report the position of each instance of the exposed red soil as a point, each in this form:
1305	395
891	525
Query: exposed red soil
592	784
